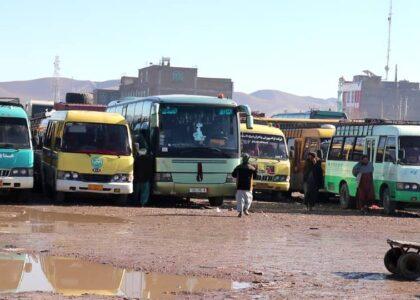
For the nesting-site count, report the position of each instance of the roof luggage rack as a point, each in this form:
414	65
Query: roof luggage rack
369	121
10	101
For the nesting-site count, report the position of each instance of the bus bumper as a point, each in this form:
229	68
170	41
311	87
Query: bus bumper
16	182
407	196
271	186
200	191
74	186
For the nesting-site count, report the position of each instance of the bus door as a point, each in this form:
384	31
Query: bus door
390	162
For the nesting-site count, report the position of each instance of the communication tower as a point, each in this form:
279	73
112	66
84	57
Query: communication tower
389	40
56	83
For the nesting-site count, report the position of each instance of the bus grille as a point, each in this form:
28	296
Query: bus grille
95	178
4	173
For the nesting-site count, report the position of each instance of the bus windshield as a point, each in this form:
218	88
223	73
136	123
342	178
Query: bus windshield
14	133
198	131
264	146
96	138
410	150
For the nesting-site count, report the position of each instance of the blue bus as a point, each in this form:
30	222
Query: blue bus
16	152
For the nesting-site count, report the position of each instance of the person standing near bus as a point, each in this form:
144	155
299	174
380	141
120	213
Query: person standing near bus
312	179
365	195
244	174
143	173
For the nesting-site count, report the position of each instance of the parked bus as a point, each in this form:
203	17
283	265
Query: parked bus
267	148
194	141
394	149
304	136
16	152
89	152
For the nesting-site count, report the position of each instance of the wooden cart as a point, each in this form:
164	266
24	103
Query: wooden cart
403	259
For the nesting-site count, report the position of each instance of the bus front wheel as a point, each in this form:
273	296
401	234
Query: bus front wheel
345	198
216	201
389	205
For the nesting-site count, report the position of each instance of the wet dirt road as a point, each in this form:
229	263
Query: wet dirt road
282	251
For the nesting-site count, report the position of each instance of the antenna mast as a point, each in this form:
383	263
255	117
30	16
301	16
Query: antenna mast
389	40
56	84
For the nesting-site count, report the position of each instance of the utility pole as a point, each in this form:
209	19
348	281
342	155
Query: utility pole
56	83
389	40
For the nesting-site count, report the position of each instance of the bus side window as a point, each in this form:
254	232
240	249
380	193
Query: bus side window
358	149
138	113
390	150
380	151
311	145
348	148
146	111
335	149
130	113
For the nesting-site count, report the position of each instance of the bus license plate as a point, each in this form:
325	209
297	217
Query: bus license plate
198	190
95	187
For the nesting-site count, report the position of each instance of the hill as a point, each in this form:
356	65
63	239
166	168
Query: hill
42	88
274	101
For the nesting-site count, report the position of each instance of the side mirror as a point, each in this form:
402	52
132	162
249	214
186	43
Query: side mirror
249	122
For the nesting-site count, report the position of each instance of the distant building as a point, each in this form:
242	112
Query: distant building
367	96
163	79
104	96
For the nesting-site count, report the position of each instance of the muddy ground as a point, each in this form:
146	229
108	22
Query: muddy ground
283	250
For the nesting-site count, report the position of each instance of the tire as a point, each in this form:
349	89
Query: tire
409	265
391	260
216	201
346	201
389	205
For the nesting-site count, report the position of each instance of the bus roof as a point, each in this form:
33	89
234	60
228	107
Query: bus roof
181	99
309	132
262	129
88	117
411	130
12	111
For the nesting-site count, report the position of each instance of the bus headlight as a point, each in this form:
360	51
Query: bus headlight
408	186
67	175
230	178
163	177
22	172
281	178
121	178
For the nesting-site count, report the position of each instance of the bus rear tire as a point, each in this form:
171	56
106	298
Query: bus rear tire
216	201
389	205
346	200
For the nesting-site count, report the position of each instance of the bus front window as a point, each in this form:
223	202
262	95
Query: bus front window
264	146
96	138
198	131
409	153
14	133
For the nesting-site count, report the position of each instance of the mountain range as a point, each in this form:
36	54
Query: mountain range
267	101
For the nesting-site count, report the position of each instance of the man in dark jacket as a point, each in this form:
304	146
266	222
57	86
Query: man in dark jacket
143	175
312	179
244	174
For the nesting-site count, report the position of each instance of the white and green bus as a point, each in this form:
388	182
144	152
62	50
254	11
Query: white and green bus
394	149
194	142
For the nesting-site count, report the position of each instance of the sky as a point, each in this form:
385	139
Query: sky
297	46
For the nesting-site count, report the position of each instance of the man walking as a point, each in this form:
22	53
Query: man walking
244	174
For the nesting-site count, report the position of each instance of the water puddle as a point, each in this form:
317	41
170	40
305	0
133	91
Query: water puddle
73	277
28	220
366	276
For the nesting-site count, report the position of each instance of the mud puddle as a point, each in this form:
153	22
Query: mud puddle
73	277
28	220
